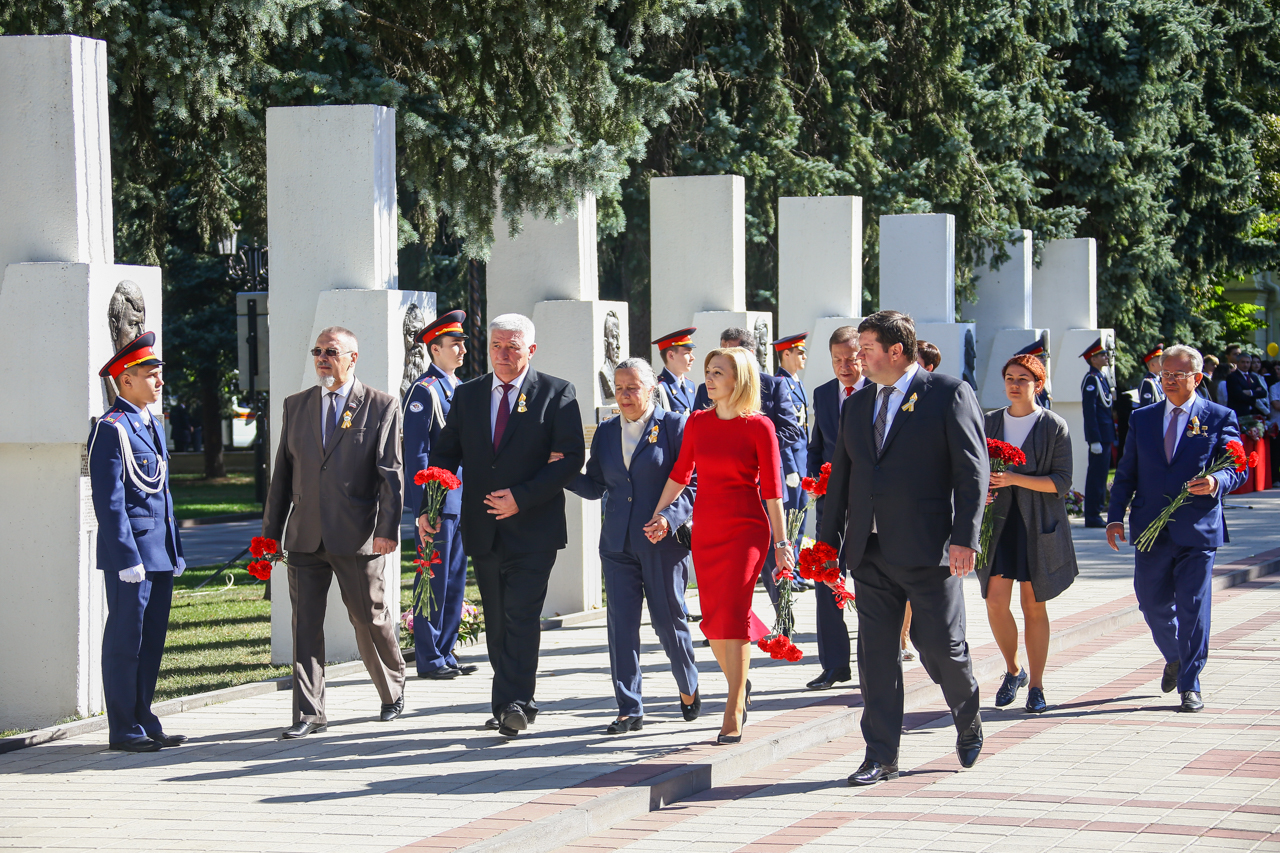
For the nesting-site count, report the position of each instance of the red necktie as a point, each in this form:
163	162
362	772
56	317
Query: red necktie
504	415
848	391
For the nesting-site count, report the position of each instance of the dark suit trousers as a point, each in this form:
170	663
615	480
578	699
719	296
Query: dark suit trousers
937	631
513	586
372	614
833	633
132	644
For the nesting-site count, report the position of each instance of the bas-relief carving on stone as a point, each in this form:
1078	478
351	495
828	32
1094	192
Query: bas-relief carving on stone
415	355
612	355
970	373
126	320
762	344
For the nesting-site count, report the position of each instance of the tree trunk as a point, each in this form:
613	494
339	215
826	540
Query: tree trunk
215	465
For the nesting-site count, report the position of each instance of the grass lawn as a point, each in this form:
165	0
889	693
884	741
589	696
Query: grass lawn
196	497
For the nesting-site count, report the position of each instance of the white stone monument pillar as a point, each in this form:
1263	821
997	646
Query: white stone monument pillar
698	254
548	273
1001	316
918	277
332	224
1065	301
819	274
56	281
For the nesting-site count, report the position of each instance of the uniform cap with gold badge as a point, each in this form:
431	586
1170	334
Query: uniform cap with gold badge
140	351
1094	348
449	323
682	338
1156	352
792	342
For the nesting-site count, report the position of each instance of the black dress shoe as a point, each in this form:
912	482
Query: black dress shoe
969	745
872	772
1169	679
827	680
444	673
467	668
143	745
1191	702
693	709
302	729
512	720
625	724
169	740
1009	688
492	724
1035	701
390	712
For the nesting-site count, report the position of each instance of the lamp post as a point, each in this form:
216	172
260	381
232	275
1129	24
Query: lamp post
247	268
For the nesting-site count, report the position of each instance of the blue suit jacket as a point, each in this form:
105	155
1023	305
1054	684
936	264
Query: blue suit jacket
421	429
1096	400
775	404
134	528
681	400
630	496
1147	482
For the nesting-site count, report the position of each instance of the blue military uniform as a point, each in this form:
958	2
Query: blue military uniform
137	538
1099	428
1150	390
795	453
426	406
636	569
675	393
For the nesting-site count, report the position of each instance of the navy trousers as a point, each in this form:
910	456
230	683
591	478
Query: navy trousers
1095	485
833	633
435	634
658	577
137	622
1174	585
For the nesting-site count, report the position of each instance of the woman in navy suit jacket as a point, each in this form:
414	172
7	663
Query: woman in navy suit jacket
631	460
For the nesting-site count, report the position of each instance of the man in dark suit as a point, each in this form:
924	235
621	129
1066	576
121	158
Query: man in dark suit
908	484
1167	447
425	408
339	481
138	548
676	350
518	436
1096	399
828	402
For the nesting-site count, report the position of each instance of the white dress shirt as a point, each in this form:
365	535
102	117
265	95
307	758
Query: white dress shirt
339	403
897	399
632	433
1183	417
512	396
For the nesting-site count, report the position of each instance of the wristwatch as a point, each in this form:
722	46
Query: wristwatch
783	544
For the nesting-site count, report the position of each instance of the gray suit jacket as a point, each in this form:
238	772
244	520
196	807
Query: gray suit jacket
346	493
1052	556
928	487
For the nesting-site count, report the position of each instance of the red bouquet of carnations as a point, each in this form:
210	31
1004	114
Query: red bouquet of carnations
1002	456
820	563
817	487
438	483
1233	458
265	553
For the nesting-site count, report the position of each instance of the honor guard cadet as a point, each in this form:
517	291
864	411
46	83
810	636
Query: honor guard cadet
1150	392
1037	349
675	392
425	408
792	355
139	551
1099	431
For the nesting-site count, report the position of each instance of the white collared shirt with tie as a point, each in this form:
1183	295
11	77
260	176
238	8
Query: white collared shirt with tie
1183	415
495	396
337	397
848	391
895	402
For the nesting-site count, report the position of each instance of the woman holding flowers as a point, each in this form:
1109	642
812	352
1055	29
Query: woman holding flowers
735	452
1179	460
1030	533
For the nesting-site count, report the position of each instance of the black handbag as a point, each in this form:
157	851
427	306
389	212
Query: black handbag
684	534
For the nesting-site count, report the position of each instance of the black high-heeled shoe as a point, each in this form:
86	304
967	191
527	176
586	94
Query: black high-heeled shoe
746	703
693	709
626	724
730	739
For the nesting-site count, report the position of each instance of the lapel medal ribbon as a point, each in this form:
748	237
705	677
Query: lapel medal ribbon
1233	458
910	405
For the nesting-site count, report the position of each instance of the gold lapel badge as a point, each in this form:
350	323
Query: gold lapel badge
653	435
520	406
1195	428
346	419
910	405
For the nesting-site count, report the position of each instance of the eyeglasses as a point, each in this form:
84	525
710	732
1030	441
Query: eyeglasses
331	352
1174	376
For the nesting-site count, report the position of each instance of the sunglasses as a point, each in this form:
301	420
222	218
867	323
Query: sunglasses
331	352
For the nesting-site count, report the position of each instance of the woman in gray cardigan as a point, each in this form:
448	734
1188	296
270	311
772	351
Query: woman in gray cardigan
1032	536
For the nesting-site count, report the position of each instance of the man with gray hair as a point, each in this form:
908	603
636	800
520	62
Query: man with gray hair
339	481
518	435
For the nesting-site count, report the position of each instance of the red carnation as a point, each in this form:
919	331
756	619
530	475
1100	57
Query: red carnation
1253	459
261	546
1006	453
260	569
817	487
793	654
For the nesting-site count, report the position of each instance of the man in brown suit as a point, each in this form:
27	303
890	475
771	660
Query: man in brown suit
339	481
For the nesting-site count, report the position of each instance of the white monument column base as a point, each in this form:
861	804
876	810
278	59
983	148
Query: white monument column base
571	345
1004	343
956	342
48	566
376	318
1068	372
711	323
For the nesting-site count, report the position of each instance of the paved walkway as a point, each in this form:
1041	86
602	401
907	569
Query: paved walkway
1114	764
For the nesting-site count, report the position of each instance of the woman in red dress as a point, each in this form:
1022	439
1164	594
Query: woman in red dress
735	451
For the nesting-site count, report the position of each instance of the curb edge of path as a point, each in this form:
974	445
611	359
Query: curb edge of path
600	813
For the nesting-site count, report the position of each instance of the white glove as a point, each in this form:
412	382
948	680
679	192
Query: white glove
1095	448
180	568
793	480
135	575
